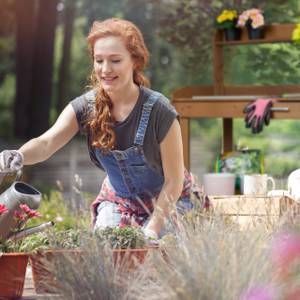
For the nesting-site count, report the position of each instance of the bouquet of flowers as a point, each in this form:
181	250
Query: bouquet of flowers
251	18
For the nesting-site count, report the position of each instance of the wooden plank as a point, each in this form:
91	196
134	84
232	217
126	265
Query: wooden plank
253	205
185	130
189	91
231	109
218	66
227	138
186	93
274	33
261	90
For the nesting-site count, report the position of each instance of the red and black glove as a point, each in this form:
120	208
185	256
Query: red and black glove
258	113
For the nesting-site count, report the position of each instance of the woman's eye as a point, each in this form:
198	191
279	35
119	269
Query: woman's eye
116	61
99	61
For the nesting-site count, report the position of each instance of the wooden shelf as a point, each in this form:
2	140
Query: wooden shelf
276	33
228	109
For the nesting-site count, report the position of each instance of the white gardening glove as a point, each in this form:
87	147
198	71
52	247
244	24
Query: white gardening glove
151	237
11	160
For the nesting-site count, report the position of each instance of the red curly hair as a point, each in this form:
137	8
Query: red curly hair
101	123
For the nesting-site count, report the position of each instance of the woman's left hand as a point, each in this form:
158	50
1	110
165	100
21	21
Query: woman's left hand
151	237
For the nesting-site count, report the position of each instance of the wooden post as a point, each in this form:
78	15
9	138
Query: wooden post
218	61
185	129
227	140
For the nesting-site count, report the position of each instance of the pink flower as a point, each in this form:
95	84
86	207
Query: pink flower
3	209
254	15
29	212
20	216
259	293
285	249
33	214
25	208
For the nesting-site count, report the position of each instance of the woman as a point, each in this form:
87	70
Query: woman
132	133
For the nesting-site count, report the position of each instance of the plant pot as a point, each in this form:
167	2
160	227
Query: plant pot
232	34
256	33
43	262
129	259
12	274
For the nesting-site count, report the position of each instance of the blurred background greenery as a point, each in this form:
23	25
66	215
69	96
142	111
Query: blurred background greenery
45	64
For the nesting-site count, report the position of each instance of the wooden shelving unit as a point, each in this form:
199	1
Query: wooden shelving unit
188	106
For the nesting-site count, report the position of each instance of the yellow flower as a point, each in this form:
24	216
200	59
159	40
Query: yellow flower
227	15
296	34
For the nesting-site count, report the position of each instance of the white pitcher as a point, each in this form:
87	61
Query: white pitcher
294	184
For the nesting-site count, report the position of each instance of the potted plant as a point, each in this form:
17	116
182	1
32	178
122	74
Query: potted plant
128	245
253	20
14	255
227	21
55	247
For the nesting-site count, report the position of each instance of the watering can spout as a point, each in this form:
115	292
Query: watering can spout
18	193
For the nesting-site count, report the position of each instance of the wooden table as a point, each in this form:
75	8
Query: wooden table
247	210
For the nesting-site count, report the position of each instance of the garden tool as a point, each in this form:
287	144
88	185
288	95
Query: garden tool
31	230
18	193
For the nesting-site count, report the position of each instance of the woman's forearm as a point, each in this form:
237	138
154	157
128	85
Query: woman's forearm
35	151
165	205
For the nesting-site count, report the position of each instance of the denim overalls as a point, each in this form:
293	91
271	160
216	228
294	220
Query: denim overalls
131	187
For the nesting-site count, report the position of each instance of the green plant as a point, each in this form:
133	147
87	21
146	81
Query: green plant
21	216
54	208
121	238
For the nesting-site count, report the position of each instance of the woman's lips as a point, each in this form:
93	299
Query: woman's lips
109	79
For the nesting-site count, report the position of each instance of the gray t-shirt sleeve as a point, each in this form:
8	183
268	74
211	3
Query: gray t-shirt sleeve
83	106
164	114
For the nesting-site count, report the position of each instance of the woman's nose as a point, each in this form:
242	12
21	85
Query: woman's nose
106	67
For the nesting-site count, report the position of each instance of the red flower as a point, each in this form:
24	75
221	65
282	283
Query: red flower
19	216
33	214
3	209
25	208
29	212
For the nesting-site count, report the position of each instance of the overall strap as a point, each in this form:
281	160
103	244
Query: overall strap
147	107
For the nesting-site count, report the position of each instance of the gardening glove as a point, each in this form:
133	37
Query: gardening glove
151	237
11	160
258	113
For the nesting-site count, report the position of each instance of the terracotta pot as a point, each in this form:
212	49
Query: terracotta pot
12	274
131	259
42	262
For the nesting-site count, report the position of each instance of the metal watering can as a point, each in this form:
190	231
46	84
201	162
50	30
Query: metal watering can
18	193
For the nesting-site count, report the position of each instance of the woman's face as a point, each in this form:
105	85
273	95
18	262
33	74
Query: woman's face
113	64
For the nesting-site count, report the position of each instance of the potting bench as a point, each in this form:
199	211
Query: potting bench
199	102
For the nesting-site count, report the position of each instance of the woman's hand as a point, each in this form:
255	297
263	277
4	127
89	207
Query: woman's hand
151	237
11	160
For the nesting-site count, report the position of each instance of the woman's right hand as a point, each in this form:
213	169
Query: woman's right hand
11	160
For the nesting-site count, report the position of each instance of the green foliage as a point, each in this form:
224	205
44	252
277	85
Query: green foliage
50	239
121	238
7	94
54	208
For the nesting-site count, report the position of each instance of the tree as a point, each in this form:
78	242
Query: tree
36	22
63	93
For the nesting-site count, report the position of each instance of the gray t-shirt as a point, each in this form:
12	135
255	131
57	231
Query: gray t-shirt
161	118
